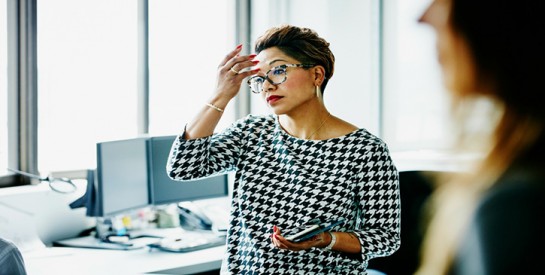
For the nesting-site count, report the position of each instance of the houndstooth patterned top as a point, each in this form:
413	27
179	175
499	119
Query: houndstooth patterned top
285	181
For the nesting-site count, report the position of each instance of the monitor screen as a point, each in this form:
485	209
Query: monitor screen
165	190
122	176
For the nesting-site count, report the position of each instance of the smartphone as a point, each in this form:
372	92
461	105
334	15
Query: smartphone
311	231
307	233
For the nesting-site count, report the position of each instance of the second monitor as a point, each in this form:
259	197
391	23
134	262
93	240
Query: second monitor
164	190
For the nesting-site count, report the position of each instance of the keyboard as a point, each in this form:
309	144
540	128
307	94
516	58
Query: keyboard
93	242
187	244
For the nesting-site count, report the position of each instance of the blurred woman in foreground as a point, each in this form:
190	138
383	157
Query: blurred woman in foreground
491	221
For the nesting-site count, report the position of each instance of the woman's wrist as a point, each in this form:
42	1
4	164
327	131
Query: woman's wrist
219	100
326	240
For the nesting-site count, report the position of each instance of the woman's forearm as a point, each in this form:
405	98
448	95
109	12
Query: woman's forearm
207	119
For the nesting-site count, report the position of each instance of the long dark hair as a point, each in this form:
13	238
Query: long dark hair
506	41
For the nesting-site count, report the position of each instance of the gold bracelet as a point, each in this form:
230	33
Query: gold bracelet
214	107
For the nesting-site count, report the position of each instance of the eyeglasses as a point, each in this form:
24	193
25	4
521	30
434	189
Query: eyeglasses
61	185
277	75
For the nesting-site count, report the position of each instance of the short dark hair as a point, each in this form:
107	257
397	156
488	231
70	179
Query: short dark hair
302	44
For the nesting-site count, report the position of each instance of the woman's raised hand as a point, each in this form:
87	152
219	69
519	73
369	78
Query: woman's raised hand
231	74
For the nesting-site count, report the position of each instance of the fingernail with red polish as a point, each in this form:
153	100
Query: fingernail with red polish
239	46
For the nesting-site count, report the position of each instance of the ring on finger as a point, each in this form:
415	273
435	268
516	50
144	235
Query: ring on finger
233	70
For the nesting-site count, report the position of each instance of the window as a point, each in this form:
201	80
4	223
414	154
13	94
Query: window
87	53
388	83
416	106
351	29
187	41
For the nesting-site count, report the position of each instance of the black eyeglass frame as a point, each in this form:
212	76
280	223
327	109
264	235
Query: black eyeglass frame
266	77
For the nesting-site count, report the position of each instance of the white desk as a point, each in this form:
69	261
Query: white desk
45	216
72	260
64	260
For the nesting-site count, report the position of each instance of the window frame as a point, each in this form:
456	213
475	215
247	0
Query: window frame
22	90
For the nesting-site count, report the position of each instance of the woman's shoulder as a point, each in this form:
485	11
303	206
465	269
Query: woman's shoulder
339	128
510	213
349	131
517	188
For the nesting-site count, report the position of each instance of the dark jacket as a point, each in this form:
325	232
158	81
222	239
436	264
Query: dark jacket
507	234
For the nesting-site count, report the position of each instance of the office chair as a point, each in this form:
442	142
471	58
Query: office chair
11	261
415	188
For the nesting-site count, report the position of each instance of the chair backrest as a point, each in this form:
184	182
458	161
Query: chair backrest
415	188
11	261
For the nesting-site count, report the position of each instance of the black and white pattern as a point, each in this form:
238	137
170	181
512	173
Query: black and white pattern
285	181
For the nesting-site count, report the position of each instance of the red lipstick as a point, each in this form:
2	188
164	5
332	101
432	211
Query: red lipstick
273	98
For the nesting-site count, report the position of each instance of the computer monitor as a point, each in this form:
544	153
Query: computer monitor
122	176
165	190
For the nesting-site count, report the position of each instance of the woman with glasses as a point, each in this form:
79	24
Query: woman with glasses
490	221
298	166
